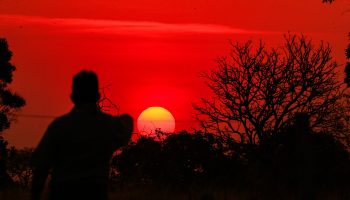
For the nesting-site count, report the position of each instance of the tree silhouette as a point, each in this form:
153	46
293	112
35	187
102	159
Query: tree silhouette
180	160
328	1
300	159
19	166
347	67
257	90
140	162
10	102
5	179
191	157
347	54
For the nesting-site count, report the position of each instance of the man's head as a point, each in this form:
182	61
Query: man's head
85	88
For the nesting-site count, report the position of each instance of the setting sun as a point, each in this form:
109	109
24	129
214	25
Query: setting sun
155	118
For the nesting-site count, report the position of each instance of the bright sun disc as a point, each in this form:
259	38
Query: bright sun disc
155	118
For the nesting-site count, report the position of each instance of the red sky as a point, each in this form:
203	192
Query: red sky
151	53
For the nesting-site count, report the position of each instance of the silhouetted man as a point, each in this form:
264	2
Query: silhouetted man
78	146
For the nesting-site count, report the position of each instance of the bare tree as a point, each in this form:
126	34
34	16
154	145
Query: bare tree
257	91
105	104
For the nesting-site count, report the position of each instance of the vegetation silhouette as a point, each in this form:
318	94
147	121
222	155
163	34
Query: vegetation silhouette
257	91
297	163
347	67
178	163
289	104
10	103
328	1
300	159
19	166
78	146
347	54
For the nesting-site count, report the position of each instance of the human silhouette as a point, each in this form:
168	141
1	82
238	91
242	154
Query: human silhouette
76	148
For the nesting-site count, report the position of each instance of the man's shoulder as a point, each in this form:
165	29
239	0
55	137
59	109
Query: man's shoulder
105	115
102	118
61	120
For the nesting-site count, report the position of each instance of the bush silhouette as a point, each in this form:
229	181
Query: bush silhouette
139	162
301	160
181	159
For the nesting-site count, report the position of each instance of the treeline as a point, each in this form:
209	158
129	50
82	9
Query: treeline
298	161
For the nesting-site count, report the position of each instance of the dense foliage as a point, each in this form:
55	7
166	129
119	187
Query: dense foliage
298	159
10	102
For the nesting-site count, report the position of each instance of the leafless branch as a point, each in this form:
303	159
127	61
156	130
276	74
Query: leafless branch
258	90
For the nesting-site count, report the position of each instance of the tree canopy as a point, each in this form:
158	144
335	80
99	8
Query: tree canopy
10	102
328	1
257	91
347	67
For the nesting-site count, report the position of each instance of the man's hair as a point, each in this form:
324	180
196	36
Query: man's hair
85	88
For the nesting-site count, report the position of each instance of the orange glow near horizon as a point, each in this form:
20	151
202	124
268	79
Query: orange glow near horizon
155	118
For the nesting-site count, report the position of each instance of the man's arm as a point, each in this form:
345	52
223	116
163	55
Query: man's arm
125	125
41	162
38	182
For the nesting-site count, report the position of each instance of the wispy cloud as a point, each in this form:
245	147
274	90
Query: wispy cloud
123	27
